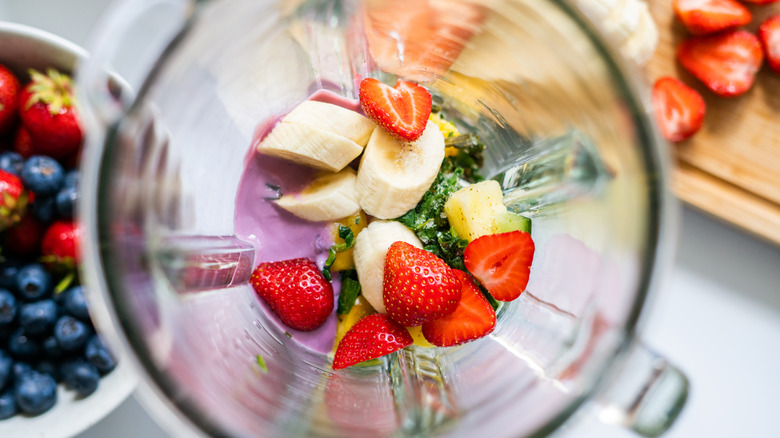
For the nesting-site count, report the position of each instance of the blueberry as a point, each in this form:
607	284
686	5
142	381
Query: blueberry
74	303
97	354
6	368
39	317
82	377
43	175
7	405
45	209
21	346
11	162
72	178
36	393
8	307
50	368
66	201
51	348
8	271
33	282
71	333
20	369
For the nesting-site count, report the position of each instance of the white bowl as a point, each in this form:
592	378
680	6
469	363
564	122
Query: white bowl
23	47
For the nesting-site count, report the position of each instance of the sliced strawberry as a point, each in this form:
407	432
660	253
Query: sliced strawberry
9	100
418	286
472	319
402	110
769	34
296	291
726	62
702	17
501	262
679	109
373	336
14	199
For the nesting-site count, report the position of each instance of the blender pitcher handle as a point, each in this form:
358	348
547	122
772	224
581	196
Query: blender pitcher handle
646	394
126	46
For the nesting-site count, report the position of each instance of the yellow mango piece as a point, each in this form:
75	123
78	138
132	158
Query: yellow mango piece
472	209
344	259
418	337
447	130
345	322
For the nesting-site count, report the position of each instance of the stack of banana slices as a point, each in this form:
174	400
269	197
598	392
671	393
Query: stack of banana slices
627	23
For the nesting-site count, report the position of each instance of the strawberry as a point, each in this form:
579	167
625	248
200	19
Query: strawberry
9	100
472	319
760	2
22	143
726	62
402	110
15	199
769	34
60	244
501	262
24	238
702	17
373	336
679	109
418	286
296	291
48	111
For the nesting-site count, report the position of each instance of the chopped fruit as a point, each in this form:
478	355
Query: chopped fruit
344	259
360	309
373	336
60	244
472	209
769	34
679	109
9	100
48	111
418	337
472	319
448	130
702	17
24	238
418	286
329	197
501	262
401	110
296	292
507	221
760	2
726	62
13	201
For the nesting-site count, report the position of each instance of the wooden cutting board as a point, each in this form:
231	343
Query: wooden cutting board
731	167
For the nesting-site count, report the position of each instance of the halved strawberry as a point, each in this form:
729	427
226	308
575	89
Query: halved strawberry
769	35
501	262
726	62
373	336
418	286
296	291
472	319
9	100
678	108
13	199
402	110
702	17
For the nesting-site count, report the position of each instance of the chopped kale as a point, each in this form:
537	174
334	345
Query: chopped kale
350	289
349	240
469	157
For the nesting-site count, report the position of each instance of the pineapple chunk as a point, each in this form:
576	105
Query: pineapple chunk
344	259
418	337
472	210
358	311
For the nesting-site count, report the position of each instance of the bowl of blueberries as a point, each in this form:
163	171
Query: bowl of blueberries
57	374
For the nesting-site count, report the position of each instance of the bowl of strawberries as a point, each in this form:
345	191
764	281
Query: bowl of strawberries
57	375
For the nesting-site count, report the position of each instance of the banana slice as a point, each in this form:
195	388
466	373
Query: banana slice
334	119
307	145
328	198
393	176
370	250
627	23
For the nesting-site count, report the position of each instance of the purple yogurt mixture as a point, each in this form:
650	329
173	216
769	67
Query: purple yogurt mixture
277	234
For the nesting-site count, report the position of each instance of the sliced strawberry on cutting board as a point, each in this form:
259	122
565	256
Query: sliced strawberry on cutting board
9	100
402	110
472	319
702	17
726	62
296	291
501	262
418	286
769	35
679	109
373	336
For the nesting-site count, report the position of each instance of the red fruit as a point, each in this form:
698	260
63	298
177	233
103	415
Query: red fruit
296	291
48	111
402	110
60	244
23	143
373	336
418	286
25	237
769	35
13	200
501	262
679	109
726	62
760	2
472	319
9	100
708	16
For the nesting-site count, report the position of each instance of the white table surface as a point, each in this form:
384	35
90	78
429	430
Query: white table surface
717	315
